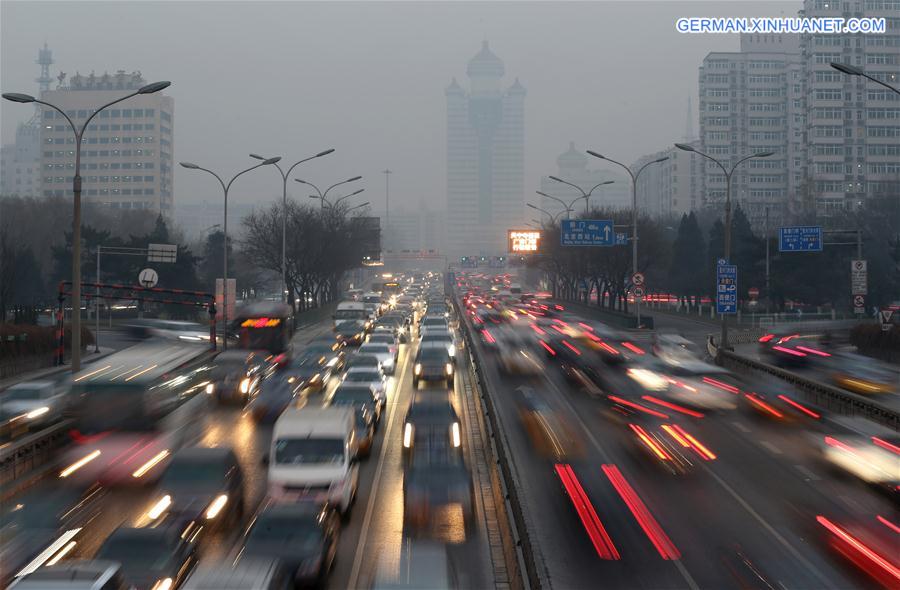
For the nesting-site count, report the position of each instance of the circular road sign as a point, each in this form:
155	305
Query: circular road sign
148	278
637	278
859	301
753	292
638	291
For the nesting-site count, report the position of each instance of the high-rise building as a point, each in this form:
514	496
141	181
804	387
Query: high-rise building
126	152
672	187
414	229
853	126
485	158
20	162
572	167
752	101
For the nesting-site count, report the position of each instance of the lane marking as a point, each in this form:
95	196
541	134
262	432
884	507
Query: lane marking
740	426
807	473
376	481
771	448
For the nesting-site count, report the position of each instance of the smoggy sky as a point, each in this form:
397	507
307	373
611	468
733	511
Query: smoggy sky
368	78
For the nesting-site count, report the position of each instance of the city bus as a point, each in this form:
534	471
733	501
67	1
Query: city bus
265	326
131	411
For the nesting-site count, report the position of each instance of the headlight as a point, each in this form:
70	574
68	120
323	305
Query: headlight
407	435
454	434
210	388
418	368
314	378
37	412
449	368
245	385
216	506
452	350
164	584
161	506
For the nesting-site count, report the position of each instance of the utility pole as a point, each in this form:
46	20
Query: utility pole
387	202
768	294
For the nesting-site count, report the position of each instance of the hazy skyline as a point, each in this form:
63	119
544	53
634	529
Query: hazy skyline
368	78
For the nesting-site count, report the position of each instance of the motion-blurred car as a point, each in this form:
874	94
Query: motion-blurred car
200	486
364	361
236	375
430	415
518	360
424	565
75	575
863	375
32	404
303	537
863	449
791	349
373	378
248	573
550	436
38	527
350	394
445	338
387	355
365	429
433	363
436	476
151	558
275	394
350	333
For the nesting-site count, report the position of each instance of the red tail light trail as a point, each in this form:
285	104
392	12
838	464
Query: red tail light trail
637	406
599	537
671	406
883	565
759	403
799	406
664	545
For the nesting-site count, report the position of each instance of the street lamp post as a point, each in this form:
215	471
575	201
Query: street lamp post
284	178
76	202
552	216
854	71
728	173
567	207
634	216
353	194
225	187
360	206
584	195
321	195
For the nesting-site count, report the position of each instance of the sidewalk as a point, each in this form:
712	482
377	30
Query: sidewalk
52	373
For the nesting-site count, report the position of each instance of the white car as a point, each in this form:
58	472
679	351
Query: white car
34	402
383	337
863	449
387	355
370	376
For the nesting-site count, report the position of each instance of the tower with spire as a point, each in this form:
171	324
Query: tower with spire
485	157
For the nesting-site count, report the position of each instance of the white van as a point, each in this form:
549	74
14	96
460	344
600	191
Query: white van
313	457
350	311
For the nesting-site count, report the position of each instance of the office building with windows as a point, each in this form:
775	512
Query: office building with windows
753	101
673	187
853	125
126	152
485	158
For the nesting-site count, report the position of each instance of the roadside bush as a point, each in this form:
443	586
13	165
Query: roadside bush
18	340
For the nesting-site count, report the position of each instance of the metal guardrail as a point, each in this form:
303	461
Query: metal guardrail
818	393
524	558
22	459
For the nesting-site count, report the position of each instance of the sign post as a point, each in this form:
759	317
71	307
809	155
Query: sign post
726	288
859	284
801	238
587	232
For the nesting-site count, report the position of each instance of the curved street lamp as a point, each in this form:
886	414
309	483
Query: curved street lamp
353	194
284	178
727	254
584	195
855	71
225	187
553	217
76	203
634	216
321	195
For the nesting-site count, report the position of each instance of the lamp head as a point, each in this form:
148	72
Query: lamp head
274	160
154	87
355	178
189	165
596	155
257	157
18	97
325	153
847	69
763	154
685	147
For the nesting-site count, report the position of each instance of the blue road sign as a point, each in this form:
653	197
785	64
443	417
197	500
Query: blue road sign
621	239
587	232
800	238
726	288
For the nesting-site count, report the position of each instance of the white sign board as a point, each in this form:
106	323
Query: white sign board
858	277
232	289
885	316
162	252
148	278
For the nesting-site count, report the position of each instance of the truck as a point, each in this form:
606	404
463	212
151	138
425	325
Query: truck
350	311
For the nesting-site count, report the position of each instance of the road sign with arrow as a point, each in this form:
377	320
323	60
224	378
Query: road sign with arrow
587	232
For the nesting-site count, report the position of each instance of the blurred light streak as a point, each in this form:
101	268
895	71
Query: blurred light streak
800	407
672	406
599	537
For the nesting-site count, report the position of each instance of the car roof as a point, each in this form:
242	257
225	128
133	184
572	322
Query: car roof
250	573
70	575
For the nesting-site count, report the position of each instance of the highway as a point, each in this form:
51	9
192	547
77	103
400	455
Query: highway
746	516
373	537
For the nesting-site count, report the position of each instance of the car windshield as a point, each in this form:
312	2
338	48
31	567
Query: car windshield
381	338
375	348
296	451
351	395
137	554
430	411
289	532
433	354
191	474
15	394
363	376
